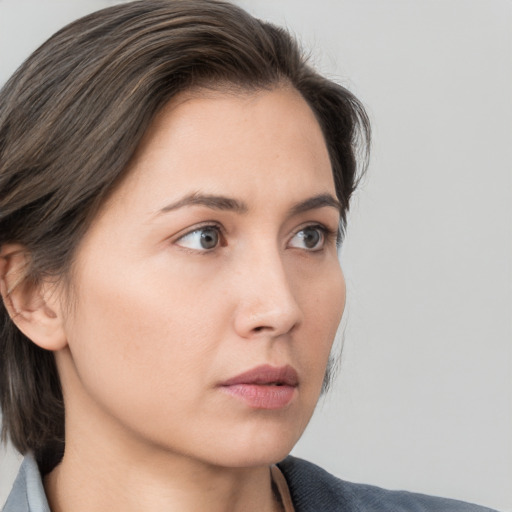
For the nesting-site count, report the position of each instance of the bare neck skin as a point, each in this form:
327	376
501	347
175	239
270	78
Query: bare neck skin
153	486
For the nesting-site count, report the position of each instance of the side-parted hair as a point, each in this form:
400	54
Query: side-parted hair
71	118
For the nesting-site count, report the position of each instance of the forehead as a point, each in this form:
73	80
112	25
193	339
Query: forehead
263	145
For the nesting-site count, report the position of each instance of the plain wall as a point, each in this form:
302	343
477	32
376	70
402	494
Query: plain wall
424	397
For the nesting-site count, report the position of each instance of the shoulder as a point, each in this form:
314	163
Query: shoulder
27	494
313	489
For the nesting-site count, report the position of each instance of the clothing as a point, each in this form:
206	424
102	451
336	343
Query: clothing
27	494
281	489
312	490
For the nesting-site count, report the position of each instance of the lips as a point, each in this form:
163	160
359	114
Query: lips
266	375
264	387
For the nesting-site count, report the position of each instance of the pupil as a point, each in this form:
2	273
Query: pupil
311	238
209	238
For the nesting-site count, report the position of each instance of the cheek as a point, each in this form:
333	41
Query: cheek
322	298
138	336
323	306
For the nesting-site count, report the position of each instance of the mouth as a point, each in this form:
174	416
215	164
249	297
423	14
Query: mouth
264	387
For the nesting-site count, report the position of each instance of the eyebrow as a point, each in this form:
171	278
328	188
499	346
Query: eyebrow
319	201
227	203
210	201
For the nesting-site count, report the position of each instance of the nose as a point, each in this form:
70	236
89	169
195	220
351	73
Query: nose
267	302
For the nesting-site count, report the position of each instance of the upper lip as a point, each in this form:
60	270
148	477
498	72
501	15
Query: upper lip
266	374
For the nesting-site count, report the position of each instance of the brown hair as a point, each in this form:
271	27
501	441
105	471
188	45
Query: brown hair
71	118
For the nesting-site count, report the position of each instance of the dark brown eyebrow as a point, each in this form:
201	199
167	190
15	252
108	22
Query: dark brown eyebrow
208	200
320	201
226	203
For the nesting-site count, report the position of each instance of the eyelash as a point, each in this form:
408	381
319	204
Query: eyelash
203	227
327	236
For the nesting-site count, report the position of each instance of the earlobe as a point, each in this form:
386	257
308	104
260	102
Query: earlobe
33	307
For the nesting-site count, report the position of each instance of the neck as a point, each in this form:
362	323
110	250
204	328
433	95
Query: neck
83	482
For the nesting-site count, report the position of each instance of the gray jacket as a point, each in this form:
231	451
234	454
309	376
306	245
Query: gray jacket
312	490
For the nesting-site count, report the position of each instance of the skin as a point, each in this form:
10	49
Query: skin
157	322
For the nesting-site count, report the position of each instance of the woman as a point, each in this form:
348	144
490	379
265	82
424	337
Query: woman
174	184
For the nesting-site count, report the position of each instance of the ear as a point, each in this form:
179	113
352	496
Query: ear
34	307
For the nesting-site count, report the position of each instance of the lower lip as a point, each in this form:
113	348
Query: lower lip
260	396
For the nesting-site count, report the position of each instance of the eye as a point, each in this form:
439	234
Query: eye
311	238
202	239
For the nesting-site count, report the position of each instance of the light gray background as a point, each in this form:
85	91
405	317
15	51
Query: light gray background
424	399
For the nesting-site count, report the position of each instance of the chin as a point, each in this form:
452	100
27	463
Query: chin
262	442
264	448
255	457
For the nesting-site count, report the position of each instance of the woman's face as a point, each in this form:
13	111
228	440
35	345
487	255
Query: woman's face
215	257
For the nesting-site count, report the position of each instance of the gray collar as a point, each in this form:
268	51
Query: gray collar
27	494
